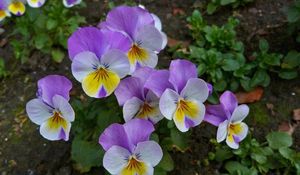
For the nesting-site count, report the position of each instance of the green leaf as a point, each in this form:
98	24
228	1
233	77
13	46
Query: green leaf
291	60
223	154
260	77
211	8
41	41
230	65
167	163
51	24
263	45
287	153
279	140
180	139
86	154
293	14
226	2
258	157
234	167
288	74
57	55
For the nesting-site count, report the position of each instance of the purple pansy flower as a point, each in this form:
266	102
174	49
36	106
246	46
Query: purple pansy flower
36	3
144	31
128	149
51	110
4	12
181	93
137	101
71	3
98	59
228	116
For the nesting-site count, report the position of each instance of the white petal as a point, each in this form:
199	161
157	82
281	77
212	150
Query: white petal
149	152
165	40
83	64
167	103
38	112
232	144
36	4
131	108
222	131
195	89
243	134
117	62
64	107
55	134
239	114
150	38
151	61
68	5
157	22
115	159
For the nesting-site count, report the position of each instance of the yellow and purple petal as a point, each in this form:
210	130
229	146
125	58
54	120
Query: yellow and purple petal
17	8
71	3
36	3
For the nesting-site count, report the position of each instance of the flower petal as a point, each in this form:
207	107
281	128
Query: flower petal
222	131
117	40
240	113
115	159
17	8
215	114
115	134
143	74
149	152
100	83
131	108
54	85
180	72
168	103
116	61
128	88
83	64
189	115
87	39
155	114
241	131
229	101
230	141
37	111
71	3
36	3
158	82
64	108
138	130
150	38
141	57
195	89
127	19
55	130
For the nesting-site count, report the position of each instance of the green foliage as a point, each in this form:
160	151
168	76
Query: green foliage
252	158
45	29
3	72
293	16
216	4
221	59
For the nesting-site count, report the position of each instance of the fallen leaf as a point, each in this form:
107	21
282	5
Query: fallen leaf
270	106
178	11
3	42
250	97
288	127
296	114
173	42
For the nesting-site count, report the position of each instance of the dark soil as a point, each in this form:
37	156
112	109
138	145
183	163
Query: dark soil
24	152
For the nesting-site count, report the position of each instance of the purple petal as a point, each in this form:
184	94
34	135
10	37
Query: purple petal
158	82
127	19
87	39
215	114
128	88
52	85
138	130
180	72
117	40
210	88
229	102
143	73
115	134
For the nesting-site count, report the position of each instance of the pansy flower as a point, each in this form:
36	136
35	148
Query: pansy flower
98	59
144	31
36	3
4	12
228	116
17	7
181	92
128	148
51	110
137	101
71	3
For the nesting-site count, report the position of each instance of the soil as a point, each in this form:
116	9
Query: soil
24	152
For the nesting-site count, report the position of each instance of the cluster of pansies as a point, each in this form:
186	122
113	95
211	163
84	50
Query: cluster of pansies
119	56
18	8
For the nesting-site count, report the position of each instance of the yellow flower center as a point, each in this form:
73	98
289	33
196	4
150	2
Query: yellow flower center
56	121
134	167
145	111
137	53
